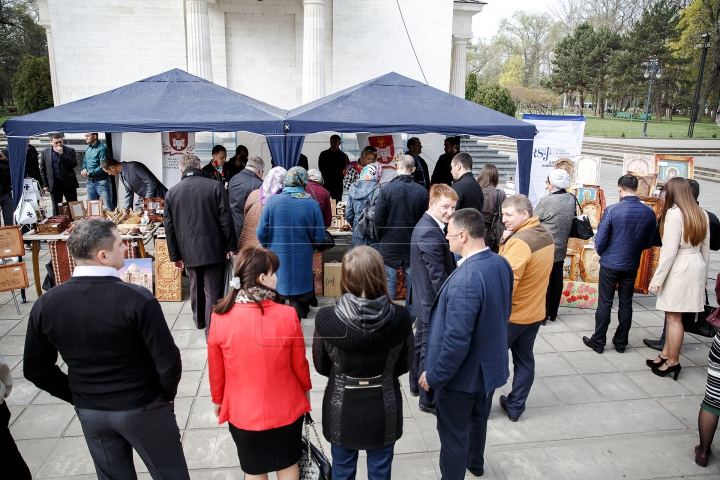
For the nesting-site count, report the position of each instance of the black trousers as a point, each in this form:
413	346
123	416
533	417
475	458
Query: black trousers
62	189
625	282
206	288
418	365
554	291
462	427
13	464
151	430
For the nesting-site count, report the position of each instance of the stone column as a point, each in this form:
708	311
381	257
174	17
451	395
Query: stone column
197	27
313	79
459	66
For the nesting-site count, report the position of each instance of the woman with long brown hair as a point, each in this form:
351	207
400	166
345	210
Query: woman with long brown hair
681	274
363	344
259	376
489	178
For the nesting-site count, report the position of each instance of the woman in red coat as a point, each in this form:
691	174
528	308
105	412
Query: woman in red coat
259	376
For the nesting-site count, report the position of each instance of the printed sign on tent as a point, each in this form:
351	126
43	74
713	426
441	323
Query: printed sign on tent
174	146
387	145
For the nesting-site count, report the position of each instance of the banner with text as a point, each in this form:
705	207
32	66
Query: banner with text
558	137
174	146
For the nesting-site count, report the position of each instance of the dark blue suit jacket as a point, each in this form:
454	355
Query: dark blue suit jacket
432	262
467	343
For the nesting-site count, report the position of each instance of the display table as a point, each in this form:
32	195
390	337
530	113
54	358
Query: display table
36	238
341	238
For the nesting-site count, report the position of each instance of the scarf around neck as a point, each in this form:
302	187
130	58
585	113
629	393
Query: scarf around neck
363	314
254	294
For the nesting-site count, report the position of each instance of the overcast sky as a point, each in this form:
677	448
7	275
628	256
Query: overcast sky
485	23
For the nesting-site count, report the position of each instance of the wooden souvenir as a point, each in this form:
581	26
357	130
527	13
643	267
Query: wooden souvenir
566	164
94	209
576	245
646	183
590	266
640	164
64	209
317	273
54	225
152	205
587	170
570	267
11	242
77	209
332	280
669	166
13	277
593	210
649	258
168	280
61	261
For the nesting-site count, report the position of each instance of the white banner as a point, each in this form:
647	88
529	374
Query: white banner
174	146
558	137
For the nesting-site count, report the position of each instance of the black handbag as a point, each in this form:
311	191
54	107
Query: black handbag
329	241
314	465
581	227
496	227
697	323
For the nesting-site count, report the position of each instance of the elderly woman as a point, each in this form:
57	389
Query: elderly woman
556	212
365	190
353	170
291	225
272	185
318	192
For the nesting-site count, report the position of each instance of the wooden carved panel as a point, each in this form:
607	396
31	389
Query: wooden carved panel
168	280
590	266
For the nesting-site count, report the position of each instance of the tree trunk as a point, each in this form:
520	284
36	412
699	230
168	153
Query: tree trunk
715	104
581	101
658	105
601	102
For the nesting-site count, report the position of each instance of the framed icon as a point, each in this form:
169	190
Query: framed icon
587	170
593	210
586	193
570	267
590	265
639	164
77	209
95	209
670	166
646	183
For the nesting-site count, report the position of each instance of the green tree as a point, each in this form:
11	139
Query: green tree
31	84
497	98
471	86
573	68
20	35
513	72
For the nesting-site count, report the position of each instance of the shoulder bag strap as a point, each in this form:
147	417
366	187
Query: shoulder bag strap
498	205
578	204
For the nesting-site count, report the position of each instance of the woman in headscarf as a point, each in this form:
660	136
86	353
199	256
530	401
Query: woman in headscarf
273	184
318	192
291	225
365	190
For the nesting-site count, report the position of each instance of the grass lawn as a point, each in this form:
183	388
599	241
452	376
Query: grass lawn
2	120
615	127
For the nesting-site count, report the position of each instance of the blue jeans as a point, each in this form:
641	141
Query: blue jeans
344	463
101	190
521	340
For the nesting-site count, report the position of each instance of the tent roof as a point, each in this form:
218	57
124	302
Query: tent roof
170	101
394	103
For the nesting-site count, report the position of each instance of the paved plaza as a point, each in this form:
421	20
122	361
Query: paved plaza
588	415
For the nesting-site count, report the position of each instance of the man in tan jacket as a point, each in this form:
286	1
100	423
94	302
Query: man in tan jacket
530	249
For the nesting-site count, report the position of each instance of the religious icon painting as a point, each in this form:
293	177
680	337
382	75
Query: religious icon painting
593	210
670	166
566	164
590	266
646	183
587	170
638	164
570	267
586	193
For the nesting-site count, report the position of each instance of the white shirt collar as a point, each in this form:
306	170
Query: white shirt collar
462	260
440	224
95	271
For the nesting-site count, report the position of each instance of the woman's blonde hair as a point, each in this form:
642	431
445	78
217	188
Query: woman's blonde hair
678	192
363	273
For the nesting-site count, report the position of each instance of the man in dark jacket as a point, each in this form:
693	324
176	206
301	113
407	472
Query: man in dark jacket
56	169
441	173
398	208
123	367
242	184
421	174
332	163
467	350
200	235
714	245
626	229
432	263
137	179
470	194
218	168
6	198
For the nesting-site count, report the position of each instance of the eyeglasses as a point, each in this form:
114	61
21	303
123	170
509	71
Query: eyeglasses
456	235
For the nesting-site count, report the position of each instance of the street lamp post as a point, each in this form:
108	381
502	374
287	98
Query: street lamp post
652	71
705	37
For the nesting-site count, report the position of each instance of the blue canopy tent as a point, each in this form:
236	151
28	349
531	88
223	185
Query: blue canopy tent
394	103
171	101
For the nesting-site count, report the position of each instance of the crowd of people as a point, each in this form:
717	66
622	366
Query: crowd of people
483	273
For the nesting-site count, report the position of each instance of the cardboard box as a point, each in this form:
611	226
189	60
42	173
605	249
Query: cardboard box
13	277
11	242
332	280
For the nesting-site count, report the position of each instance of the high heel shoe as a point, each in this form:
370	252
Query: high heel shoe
700	459
653	363
675	370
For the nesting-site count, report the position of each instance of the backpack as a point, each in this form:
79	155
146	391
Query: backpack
496	227
366	218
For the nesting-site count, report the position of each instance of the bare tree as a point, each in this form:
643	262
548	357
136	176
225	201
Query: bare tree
531	36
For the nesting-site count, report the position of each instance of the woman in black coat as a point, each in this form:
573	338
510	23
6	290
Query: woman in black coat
363	344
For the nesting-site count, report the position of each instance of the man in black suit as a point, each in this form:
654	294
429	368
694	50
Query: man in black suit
241	185
332	163
200	235
123	367
422	174
56	169
469	191
432	263
137	180
441	173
